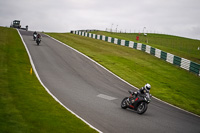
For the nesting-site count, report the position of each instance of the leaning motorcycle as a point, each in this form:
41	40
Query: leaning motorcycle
38	40
138	103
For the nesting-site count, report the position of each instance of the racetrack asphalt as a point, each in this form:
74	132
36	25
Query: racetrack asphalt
95	95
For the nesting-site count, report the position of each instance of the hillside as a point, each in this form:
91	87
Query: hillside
182	47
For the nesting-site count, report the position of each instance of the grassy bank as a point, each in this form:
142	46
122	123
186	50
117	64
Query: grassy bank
25	105
169	83
183	47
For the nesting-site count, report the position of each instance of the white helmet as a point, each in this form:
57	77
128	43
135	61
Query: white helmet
147	86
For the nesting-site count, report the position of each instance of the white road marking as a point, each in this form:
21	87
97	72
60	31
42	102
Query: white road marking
106	97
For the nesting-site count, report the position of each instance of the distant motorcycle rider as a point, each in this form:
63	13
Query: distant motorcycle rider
34	35
39	36
38	40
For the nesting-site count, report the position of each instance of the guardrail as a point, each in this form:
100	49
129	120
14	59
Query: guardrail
173	59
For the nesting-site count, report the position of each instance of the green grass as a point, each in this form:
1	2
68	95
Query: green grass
182	47
169	83
25	105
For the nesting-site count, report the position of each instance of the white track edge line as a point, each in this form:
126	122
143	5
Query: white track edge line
119	77
35	71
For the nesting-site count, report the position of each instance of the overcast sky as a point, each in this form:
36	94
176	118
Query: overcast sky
176	17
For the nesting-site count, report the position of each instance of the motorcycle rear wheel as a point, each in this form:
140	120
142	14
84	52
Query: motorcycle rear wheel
123	103
142	108
38	42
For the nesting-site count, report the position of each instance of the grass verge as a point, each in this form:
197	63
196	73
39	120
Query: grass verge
169	83
25	105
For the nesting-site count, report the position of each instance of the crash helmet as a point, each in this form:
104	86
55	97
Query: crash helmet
147	86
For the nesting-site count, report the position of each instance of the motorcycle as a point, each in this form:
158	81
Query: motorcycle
34	36
138	103
38	40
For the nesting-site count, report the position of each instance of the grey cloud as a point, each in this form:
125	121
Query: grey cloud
178	17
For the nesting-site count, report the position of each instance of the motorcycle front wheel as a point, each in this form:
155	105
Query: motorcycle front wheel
124	103
142	108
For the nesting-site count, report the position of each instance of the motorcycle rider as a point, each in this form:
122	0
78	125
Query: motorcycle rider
143	90
34	35
38	36
38	39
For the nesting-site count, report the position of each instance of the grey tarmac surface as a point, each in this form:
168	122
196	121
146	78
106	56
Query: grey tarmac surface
95	94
